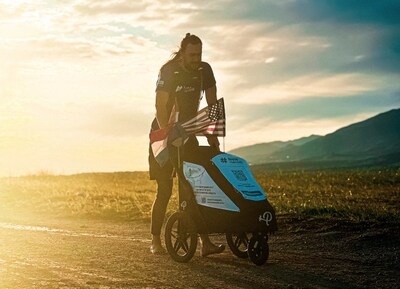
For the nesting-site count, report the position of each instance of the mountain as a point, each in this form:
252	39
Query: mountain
375	141
261	153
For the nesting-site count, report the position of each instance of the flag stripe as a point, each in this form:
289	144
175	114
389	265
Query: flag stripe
160	151
200	120
219	124
159	134
209	120
202	114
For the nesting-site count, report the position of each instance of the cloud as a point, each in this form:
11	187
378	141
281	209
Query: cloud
157	16
314	108
13	8
62	47
90	7
384	12
291	12
382	54
266	54
351	29
309	86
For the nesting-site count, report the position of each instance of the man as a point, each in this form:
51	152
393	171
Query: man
180	84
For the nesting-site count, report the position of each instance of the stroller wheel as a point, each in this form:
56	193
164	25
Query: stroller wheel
180	237
238	243
258	249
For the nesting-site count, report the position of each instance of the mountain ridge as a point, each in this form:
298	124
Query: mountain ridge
366	142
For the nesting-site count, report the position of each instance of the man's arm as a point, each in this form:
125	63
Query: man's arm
211	97
161	108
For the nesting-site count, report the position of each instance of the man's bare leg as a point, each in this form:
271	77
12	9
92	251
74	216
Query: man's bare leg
156	246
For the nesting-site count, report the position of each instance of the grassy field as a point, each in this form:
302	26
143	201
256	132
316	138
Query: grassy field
372	195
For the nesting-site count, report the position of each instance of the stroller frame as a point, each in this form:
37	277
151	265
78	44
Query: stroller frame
246	239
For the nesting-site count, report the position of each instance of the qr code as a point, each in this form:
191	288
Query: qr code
240	176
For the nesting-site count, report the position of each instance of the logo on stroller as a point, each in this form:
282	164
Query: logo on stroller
266	217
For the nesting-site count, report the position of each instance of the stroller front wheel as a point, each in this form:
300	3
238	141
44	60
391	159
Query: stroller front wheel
258	249
238	243
180	237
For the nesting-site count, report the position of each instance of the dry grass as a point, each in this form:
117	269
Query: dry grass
349	194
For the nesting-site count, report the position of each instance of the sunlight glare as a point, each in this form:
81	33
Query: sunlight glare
14	2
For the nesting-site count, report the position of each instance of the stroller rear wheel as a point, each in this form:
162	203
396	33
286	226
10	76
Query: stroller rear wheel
258	249
238	243
180	237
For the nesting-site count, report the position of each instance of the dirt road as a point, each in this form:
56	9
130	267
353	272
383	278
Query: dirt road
93	254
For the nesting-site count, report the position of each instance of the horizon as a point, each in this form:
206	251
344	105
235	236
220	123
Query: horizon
78	77
49	173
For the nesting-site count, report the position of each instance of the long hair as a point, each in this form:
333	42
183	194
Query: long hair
189	39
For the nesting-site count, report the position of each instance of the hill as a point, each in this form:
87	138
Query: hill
373	142
262	153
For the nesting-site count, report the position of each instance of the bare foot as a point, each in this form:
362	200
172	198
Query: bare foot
211	249
157	249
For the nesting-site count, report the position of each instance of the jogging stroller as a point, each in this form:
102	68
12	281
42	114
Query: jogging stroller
218	194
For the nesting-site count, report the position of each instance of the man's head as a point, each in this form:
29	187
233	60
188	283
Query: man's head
190	51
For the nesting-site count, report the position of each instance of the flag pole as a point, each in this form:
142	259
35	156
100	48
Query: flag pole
179	157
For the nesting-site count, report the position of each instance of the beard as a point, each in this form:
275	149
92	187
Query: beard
194	66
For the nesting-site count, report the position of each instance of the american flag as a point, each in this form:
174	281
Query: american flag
209	120
159	145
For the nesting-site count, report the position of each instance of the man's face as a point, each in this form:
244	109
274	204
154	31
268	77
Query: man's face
192	56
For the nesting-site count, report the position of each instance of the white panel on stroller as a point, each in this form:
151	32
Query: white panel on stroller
206	190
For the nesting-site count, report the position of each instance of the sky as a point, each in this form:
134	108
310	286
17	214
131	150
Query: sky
77	77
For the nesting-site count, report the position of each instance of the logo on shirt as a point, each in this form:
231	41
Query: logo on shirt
185	89
160	82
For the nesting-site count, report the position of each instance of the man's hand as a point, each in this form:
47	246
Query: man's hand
213	141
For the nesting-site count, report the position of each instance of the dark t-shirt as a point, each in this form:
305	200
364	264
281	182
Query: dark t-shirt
184	86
